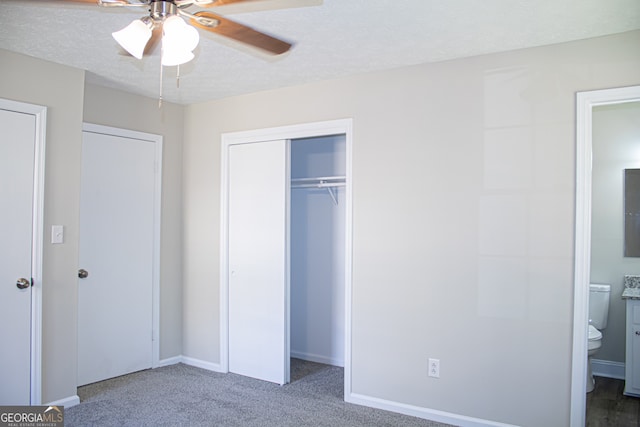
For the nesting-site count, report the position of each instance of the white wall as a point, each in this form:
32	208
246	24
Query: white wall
463	219
616	146
318	252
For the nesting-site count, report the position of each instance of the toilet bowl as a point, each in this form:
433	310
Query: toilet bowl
594	344
598	313
595	340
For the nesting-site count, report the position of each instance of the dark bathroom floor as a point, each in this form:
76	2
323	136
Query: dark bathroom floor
608	407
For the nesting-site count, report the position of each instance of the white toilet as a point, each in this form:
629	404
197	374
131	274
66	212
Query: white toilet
598	313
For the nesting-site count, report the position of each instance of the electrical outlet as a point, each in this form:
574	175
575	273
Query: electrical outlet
434	368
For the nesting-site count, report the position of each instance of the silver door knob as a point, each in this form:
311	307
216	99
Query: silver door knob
83	274
23	283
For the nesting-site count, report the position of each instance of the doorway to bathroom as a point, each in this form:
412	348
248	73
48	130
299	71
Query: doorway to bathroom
286	249
586	102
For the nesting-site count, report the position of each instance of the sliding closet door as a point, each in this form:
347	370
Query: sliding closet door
258	260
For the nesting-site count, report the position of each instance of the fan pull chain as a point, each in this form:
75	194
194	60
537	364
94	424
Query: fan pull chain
160	95
178	77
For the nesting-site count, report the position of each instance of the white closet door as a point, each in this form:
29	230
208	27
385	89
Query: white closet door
258	260
17	151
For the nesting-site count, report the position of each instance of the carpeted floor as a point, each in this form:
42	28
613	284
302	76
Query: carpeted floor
181	395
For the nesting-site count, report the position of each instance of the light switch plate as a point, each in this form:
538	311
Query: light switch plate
57	234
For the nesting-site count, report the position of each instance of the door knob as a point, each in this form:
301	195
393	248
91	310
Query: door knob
83	274
23	283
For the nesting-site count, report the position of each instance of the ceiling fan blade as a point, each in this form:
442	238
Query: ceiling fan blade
94	2
111	3
225	27
125	3
209	3
239	6
217	3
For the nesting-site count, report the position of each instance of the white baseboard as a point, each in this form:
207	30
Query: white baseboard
67	402
209	366
602	368
424	413
215	367
169	361
333	361
607	368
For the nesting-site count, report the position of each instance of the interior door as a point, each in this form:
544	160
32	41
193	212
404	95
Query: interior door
258	268
17	153
116	249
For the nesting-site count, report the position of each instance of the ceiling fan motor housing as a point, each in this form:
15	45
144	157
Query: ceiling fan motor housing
161	9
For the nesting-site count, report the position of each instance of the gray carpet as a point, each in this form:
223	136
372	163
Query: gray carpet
181	395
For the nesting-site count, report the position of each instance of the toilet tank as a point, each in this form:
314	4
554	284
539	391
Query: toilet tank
599	305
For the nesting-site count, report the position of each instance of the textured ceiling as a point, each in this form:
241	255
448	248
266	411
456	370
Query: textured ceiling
333	38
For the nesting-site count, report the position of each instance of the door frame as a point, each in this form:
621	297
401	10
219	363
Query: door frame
37	244
585	102
306	130
157	140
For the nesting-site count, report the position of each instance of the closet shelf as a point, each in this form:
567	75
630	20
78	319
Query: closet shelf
319	182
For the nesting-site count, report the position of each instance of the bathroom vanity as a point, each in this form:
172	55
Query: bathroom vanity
631	294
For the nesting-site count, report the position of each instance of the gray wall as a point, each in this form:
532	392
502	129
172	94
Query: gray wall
61	89
463	246
463	210
119	109
616	146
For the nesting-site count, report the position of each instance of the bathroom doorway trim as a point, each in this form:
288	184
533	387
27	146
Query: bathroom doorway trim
585	102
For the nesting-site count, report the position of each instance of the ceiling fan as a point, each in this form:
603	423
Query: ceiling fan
166	19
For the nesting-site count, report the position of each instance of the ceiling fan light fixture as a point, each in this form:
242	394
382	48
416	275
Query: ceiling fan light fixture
174	57
177	32
134	37
178	41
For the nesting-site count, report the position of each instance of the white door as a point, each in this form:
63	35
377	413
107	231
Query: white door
116	249
17	153
258	268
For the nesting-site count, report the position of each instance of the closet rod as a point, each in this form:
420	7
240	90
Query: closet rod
319	182
319	185
328	182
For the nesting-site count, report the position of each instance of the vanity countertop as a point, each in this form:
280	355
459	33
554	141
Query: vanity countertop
631	293
631	287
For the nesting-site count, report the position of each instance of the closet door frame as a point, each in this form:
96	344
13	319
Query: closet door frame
306	130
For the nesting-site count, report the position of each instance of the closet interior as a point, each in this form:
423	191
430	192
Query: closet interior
317	249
